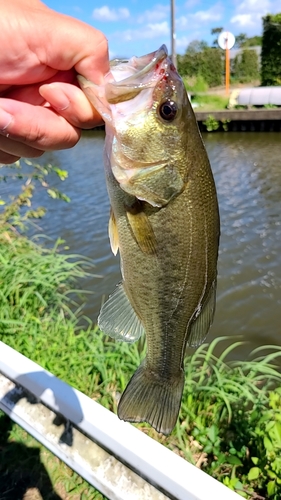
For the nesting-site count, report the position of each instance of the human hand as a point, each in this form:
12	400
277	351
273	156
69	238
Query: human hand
41	106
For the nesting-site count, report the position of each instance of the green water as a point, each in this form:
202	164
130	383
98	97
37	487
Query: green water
247	171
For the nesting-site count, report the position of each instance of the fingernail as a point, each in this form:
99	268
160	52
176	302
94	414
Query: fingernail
55	96
5	120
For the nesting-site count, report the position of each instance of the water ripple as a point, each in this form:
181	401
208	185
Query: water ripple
247	170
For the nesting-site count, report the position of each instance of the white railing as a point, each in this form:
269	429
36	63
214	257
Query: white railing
115	457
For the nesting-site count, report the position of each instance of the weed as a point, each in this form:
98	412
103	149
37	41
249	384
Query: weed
229	423
211	123
211	102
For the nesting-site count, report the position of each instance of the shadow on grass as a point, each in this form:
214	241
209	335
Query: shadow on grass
21	467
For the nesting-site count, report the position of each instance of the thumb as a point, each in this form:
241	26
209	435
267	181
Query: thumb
72	43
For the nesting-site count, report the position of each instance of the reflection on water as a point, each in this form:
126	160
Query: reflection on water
247	170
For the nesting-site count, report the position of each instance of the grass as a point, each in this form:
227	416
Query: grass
210	102
229	424
195	84
207	102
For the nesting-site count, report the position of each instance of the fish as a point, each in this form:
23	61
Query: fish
164	221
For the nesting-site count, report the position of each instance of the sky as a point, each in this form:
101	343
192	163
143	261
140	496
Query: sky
137	27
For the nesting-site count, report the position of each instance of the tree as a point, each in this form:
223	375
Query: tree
216	31
253	41
246	66
189	63
211	66
271	50
196	46
200	59
240	39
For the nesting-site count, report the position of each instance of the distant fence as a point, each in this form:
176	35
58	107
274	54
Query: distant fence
113	456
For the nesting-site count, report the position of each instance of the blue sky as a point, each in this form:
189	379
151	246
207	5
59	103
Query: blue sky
136	27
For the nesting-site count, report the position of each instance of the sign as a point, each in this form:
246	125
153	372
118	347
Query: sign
226	40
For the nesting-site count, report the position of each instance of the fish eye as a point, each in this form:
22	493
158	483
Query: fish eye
168	110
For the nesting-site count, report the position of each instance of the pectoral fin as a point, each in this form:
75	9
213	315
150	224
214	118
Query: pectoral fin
113	233
141	228
118	319
201	325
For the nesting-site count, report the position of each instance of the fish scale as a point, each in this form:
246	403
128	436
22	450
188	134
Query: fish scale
165	223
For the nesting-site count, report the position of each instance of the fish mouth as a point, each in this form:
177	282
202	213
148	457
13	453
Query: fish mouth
144	75
141	73
143	64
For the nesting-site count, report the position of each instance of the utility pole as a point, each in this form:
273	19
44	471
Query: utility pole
173	34
226	40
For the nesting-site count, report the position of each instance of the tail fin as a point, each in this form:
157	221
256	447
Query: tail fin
153	400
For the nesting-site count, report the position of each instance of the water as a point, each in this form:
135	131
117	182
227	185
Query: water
247	171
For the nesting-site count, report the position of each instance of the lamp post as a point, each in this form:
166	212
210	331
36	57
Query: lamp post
226	40
173	34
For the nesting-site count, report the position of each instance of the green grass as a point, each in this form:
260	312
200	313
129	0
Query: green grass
229	423
210	102
195	84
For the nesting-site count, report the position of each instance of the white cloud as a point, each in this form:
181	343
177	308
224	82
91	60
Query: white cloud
106	14
158	12
254	6
191	3
248	14
157	29
201	16
182	42
244	20
150	31
207	15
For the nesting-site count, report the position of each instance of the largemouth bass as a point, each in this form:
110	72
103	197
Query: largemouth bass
164	221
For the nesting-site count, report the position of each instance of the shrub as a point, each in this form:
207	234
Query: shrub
246	66
271	50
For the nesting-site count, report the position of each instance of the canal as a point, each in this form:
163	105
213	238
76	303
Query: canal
247	171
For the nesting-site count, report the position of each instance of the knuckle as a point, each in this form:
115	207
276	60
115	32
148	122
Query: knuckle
35	134
72	138
53	136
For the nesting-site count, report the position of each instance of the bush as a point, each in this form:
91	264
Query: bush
26	176
202	60
246	66
232	411
271	50
211	66
195	84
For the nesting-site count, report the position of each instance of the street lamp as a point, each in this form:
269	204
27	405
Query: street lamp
173	34
226	40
